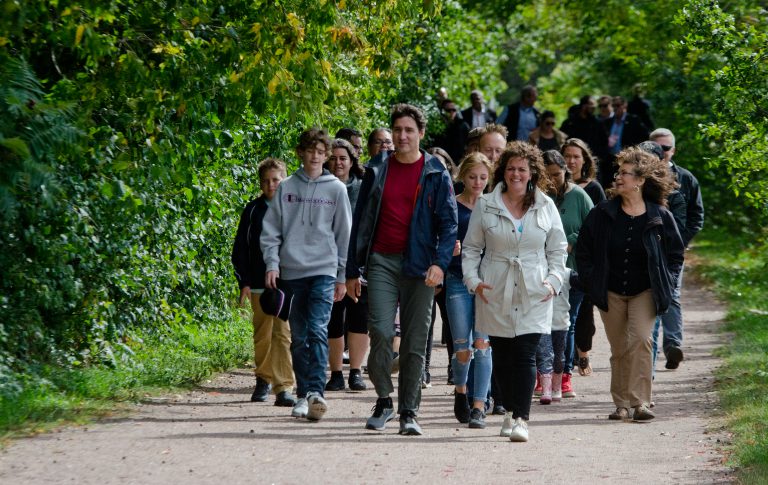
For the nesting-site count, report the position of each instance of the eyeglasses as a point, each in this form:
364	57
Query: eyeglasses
624	174
382	142
666	148
605	105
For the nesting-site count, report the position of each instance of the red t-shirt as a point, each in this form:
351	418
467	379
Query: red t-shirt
397	203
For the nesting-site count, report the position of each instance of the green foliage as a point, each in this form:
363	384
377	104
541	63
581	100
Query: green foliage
739	41
129	133
738	267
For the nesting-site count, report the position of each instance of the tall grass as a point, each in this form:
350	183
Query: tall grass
737	265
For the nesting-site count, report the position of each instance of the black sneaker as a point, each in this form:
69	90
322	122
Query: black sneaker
408	424
383	412
356	382
285	399
477	419
461	407
336	382
261	393
499	410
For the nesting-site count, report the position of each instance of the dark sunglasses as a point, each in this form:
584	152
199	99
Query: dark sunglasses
549	123
666	148
450	110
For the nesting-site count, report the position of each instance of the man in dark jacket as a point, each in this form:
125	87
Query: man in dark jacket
454	138
478	115
624	130
521	118
403	233
691	223
271	336
583	124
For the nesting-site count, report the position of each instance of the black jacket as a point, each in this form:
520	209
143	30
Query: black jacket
662	242
466	114
246	252
693	219
513	119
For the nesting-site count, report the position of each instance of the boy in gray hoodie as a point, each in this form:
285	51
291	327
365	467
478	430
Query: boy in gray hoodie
304	239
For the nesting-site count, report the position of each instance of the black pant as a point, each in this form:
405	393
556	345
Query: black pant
585	326
514	364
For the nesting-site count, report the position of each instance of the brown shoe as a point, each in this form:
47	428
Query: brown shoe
619	415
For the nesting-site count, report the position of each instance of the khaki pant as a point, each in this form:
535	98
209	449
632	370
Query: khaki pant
271	349
628	324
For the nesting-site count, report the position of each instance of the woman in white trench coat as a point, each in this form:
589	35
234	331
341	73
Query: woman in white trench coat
513	260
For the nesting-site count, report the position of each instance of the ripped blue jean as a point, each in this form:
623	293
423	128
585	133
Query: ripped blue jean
461	317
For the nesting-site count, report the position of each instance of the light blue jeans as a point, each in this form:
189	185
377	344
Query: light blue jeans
310	313
461	317
672	322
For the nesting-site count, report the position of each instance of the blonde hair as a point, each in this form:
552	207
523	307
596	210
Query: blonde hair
471	161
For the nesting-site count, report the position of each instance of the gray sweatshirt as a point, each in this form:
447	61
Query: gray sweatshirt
306	228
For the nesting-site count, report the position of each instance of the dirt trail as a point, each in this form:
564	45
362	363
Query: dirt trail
215	435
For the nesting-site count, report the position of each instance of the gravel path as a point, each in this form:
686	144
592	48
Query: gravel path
215	435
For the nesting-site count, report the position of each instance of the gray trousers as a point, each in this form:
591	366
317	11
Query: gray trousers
386	287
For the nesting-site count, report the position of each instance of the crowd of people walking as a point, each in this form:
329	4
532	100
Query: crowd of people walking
515	230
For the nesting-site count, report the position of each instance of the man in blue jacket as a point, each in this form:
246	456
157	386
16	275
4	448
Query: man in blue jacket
403	233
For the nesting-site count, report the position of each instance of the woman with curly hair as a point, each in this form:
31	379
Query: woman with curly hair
629	255
513	260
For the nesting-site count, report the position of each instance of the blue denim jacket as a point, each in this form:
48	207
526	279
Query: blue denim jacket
434	225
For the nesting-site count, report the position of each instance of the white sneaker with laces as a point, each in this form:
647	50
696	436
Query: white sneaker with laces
317	406
300	409
519	432
506	426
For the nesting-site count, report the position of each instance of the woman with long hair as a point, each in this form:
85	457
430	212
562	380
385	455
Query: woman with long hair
347	316
582	165
513	260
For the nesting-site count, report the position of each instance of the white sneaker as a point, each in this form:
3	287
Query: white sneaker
317	406
519	432
300	409
506	426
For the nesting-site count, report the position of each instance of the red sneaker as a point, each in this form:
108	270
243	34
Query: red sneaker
567	389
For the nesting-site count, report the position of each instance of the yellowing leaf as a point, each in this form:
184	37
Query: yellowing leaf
3	41
256	28
272	86
342	5
326	67
79	34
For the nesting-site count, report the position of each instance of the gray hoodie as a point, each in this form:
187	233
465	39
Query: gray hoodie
306	228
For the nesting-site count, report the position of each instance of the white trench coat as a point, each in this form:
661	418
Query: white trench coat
515	265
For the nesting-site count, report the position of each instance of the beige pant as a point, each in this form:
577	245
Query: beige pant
272	349
628	324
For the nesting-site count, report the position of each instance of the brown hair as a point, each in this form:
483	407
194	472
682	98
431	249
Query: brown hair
311	137
271	164
494	128
588	169
532	155
659	179
402	109
447	160
354	168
